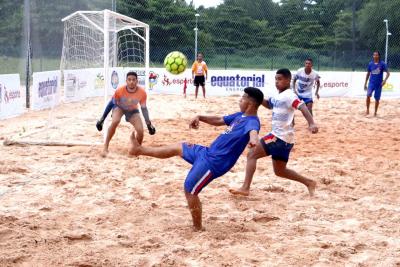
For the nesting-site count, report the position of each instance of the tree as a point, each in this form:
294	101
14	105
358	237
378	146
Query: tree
11	27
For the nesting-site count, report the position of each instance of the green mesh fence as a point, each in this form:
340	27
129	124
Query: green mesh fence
258	34
266	34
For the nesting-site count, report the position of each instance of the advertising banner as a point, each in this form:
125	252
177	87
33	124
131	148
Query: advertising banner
78	84
46	90
12	98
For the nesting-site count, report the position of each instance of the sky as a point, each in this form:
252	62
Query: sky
206	3
210	3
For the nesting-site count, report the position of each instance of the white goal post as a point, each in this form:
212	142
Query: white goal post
94	43
105	39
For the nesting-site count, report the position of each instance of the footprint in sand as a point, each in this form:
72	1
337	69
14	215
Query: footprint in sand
78	237
274	188
265	218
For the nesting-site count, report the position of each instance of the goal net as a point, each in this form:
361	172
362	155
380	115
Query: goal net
94	39
99	48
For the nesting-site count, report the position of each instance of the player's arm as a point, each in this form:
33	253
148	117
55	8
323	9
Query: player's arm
294	84
193	69
205	72
366	80
307	115
145	113
317	91
266	103
212	120
253	139
387	77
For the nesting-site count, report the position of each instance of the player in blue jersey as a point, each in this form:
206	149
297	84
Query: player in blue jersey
214	161
375	75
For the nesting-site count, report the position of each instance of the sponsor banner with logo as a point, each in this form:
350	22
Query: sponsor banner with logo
390	90
46	89
12	99
219	82
116	79
334	84
98	81
79	84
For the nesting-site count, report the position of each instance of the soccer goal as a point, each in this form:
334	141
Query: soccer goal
105	39
95	44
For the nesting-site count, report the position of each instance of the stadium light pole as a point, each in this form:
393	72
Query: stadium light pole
387	39
197	15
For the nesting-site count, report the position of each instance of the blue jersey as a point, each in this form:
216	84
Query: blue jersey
376	71
226	149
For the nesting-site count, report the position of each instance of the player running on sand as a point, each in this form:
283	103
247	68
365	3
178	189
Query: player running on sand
280	141
305	79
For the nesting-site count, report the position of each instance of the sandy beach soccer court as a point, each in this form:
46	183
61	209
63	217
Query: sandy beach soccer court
67	206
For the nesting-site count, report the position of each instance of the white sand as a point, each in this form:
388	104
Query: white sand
67	206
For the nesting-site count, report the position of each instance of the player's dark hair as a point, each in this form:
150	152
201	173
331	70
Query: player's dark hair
379	54
255	94
131	73
285	73
200	53
309	59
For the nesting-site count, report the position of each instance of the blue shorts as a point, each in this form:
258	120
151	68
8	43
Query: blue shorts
277	148
128	113
306	100
200	175
377	89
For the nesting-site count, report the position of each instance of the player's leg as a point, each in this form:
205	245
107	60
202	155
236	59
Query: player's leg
281	170
254	154
198	178
196	85
376	107
195	209
135	119
203	86
107	110
116	118
377	96
161	152
368	100
310	106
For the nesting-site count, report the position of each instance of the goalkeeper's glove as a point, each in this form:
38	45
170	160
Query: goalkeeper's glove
151	129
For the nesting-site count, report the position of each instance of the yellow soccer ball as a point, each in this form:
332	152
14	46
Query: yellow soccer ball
175	62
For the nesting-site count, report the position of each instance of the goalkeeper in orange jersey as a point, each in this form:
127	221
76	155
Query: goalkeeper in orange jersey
125	101
200	74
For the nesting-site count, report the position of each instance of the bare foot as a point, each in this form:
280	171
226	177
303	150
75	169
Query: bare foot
375	115
240	191
367	113
134	147
104	153
311	188
198	228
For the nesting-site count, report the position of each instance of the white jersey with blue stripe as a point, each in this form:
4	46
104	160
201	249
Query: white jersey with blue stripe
283	107
305	82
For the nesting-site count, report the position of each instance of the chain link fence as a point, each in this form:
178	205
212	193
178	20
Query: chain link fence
259	34
265	34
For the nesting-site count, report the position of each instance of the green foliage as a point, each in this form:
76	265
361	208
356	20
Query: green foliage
257	30
11	28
